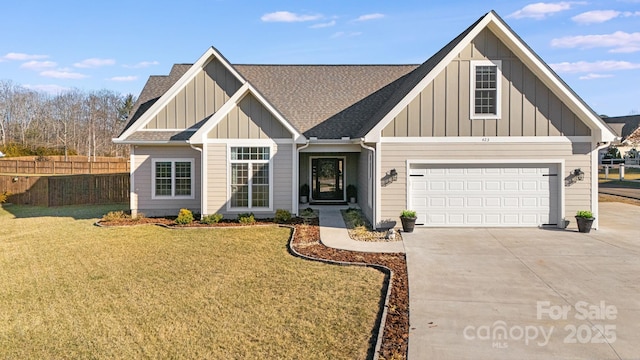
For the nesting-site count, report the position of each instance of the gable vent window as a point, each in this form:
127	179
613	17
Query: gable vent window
173	178
485	89
250	177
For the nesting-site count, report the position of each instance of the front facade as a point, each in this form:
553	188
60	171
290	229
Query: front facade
481	134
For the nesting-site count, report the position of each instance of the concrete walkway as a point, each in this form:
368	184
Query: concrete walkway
333	233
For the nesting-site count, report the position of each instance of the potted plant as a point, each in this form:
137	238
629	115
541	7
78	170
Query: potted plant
408	218
304	193
584	218
352	193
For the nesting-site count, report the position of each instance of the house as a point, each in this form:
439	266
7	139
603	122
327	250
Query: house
483	133
627	130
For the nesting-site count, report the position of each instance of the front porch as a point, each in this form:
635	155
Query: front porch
328	176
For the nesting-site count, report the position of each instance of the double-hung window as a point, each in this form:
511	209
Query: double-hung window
485	89
172	178
250	185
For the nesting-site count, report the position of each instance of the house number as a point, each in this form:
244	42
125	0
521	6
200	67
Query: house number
485	139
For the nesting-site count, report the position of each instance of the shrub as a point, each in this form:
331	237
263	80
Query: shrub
584	214
246	218
352	192
3	196
307	212
408	214
211	219
304	190
115	216
282	216
185	216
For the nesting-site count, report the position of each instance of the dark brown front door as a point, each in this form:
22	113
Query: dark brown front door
327	179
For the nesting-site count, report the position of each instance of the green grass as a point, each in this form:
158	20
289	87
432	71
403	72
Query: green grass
69	289
614	174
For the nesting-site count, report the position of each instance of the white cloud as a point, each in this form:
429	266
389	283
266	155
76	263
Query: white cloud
22	57
323	25
594	67
541	10
592	76
38	65
367	17
141	64
123	78
600	16
595	16
620	42
286	16
94	63
341	34
49	89
62	74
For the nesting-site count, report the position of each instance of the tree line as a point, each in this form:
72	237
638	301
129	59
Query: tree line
72	122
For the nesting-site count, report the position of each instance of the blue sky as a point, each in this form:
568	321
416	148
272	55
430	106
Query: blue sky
116	45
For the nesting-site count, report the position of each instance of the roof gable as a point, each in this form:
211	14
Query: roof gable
239	100
326	101
428	71
149	108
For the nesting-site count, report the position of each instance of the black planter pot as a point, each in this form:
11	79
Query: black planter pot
584	224
408	224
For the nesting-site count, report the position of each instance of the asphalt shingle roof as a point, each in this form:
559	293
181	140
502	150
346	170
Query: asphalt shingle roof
623	126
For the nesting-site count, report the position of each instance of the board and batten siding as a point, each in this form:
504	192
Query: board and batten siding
396	155
142	172
528	107
202	96
217	175
249	120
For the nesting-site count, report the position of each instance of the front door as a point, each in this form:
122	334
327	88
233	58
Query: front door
327	179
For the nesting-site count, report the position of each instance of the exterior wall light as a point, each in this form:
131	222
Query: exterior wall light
579	174
394	174
389	177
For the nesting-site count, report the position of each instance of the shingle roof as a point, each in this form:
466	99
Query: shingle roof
154	88
624	126
327	101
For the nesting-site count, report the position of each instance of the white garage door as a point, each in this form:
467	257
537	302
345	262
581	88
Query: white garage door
484	195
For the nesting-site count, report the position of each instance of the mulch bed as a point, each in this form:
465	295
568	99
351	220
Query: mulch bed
395	336
306	241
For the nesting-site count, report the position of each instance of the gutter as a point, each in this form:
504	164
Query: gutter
374	171
295	191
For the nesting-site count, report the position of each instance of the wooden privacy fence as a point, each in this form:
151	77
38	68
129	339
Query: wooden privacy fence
62	167
66	190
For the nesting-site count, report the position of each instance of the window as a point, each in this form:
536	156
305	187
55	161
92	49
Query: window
250	184
485	89
173	178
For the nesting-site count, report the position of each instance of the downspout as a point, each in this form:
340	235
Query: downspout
203	203
296	189
595	183
374	204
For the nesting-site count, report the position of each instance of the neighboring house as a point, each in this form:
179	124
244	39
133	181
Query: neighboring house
483	133
627	130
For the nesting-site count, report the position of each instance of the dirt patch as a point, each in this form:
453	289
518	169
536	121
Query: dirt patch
395	335
360	229
614	198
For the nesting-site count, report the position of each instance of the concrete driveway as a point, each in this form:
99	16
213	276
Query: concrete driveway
527	293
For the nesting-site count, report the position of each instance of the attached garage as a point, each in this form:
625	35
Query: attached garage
485	195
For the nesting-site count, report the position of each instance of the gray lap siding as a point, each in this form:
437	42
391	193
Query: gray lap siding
143	183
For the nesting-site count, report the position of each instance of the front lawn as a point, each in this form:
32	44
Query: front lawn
614	174
69	289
